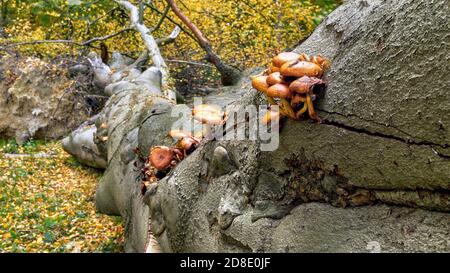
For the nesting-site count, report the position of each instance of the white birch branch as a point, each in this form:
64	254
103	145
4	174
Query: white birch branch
169	39
151	45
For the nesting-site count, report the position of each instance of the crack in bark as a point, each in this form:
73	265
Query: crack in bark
383	135
148	117
126	135
369	121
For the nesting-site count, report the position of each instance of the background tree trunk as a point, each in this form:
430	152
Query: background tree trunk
360	179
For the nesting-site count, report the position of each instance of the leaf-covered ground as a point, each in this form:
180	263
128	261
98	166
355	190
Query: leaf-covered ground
47	203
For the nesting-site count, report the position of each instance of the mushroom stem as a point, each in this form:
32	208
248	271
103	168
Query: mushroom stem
311	112
207	131
287	108
281	110
304	57
302	111
271	100
297	99
283	113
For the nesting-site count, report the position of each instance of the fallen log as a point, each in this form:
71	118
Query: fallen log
375	172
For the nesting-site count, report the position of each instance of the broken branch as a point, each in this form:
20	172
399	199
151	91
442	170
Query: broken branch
161	20
230	75
170	38
151	45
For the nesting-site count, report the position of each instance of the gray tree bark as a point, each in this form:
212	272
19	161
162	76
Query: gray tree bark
375	175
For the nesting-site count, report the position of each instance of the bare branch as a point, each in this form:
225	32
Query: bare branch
230	75
171	20
43	42
189	62
151	45
141	12
90	23
197	33
106	37
170	38
161	20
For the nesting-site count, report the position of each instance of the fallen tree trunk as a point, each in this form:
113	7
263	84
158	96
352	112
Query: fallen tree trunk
112	136
361	178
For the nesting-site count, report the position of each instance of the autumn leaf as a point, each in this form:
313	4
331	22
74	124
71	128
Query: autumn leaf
46	204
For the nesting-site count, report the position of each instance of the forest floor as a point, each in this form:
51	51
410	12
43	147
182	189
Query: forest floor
47	203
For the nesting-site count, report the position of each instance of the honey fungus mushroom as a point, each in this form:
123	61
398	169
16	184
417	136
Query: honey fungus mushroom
187	144
162	157
179	134
301	68
279	60
273	69
275	78
284	57
305	86
281	91
290	82
320	61
270	116
208	114
260	83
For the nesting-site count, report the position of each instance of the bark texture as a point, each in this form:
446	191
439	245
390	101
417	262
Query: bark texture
385	139
376	172
109	140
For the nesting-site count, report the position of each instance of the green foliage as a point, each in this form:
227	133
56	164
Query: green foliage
10	146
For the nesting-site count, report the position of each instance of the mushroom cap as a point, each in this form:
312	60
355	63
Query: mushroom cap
321	61
179	134
260	83
207	107
187	144
274	78
161	157
300	69
279	90
304	84
273	68
208	114
284	57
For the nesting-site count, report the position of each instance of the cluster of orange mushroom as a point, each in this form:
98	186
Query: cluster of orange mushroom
290	82
162	159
